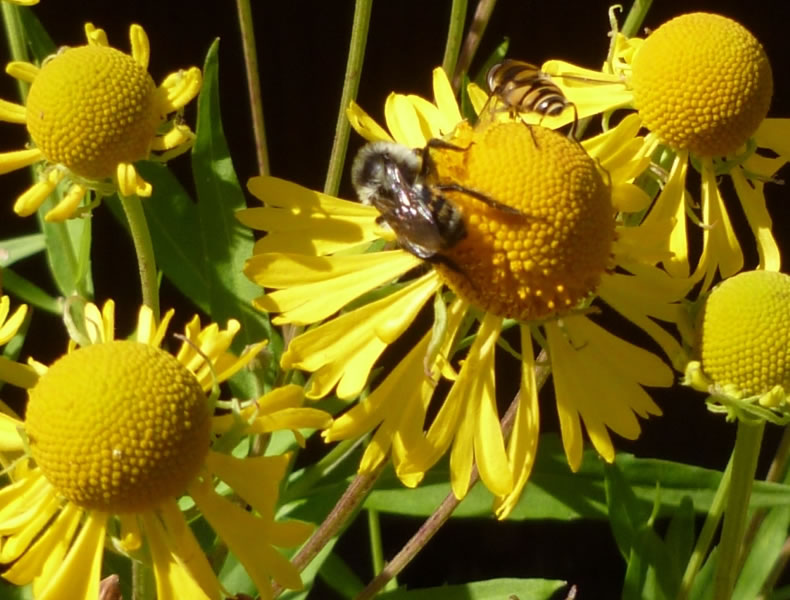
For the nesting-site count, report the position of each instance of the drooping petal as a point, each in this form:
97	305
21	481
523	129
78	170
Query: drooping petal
335	357
79	573
523	443
173	579
752	199
599	377
247	536
313	287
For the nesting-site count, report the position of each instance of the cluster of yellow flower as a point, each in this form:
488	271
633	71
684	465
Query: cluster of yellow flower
569	229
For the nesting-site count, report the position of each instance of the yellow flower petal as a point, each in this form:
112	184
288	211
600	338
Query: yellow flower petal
316	287
45	555
255	478
753	202
247	537
720	247
24	71
141	49
11	161
599	376
306	222
80	571
670	206
173	581
130	183
403	122
335	356
523	443
11	112
364	125
180	88
67	205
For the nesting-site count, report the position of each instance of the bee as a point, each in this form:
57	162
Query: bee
402	184
523	88
388	176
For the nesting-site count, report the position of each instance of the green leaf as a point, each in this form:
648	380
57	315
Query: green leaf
173	222
15	249
763	553
626	516
554	492
226	243
493	589
680	537
68	249
41	45
339	576
310	572
29	292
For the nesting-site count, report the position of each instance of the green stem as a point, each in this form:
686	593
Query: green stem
143	582
253	83
747	449
146	262
705	538
455	34
336	520
376	549
479	23
636	16
356	55
15	36
317	472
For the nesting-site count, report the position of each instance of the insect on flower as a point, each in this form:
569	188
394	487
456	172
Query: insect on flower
522	87
397	181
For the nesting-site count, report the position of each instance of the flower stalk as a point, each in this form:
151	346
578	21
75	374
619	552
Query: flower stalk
144	248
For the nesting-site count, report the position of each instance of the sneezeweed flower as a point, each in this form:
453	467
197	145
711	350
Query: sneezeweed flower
702	85
92	112
117	430
536	267
742	347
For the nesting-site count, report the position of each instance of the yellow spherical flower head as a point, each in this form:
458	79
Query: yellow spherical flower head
543	248
701	84
519	223
743	347
709	101
118	430
122	442
92	111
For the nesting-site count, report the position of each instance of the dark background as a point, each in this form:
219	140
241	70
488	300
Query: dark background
302	50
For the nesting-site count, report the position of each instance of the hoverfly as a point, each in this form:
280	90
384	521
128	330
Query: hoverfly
522	87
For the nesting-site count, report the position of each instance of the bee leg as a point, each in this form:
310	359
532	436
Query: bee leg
443	260
455	187
574	124
443	145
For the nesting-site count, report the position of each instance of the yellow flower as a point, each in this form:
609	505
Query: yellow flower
22	2
116	431
702	85
93	111
534	263
742	347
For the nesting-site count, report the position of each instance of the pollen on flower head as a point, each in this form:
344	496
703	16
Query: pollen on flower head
744	333
547	254
118	426
702	83
91	108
